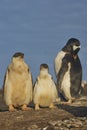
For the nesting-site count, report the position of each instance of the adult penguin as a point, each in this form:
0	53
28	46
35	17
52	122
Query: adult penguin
68	70
18	84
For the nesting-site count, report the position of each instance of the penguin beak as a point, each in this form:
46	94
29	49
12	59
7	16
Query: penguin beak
79	47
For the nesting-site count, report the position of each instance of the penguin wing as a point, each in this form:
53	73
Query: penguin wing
35	92
5	80
30	83
30	75
35	85
62	71
58	61
54	89
7	88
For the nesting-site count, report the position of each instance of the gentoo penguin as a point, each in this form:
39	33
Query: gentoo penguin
18	84
68	70
45	92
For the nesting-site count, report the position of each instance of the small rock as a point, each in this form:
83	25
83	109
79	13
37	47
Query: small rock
33	127
60	128
68	125
53	123
59	123
49	128
19	117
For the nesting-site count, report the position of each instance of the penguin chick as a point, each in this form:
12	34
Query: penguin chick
68	70
45	92
18	84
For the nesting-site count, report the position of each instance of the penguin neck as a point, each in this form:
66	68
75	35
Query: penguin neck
43	73
74	56
72	53
66	50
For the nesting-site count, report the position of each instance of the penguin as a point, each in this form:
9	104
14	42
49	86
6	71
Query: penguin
68	70
45	92
17	86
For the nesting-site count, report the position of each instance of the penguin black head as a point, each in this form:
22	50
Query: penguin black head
72	46
18	54
44	66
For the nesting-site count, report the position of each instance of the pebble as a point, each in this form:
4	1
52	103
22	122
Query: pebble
34	127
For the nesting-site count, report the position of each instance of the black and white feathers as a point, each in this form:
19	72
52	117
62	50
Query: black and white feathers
68	70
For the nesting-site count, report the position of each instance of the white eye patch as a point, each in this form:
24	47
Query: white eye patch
76	47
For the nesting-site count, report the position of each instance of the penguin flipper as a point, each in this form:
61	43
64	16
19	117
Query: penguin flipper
61	73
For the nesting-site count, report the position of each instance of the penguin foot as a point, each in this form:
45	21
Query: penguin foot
25	108
37	107
11	108
52	106
67	103
57	100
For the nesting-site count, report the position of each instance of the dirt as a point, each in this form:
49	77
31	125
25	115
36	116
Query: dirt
39	120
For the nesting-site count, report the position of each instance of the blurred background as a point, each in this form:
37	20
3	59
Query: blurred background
39	29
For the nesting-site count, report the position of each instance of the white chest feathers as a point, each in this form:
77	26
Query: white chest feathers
45	91
58	61
66	79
